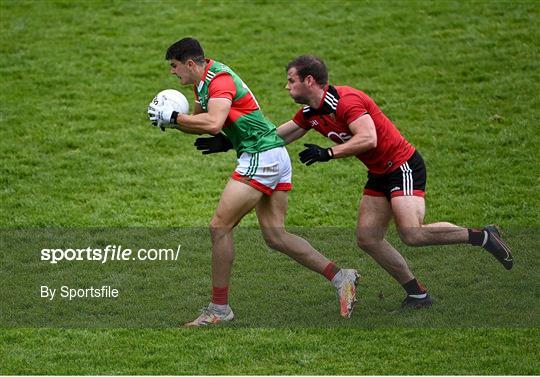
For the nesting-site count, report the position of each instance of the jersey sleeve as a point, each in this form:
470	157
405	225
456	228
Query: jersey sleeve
353	107
222	86
300	120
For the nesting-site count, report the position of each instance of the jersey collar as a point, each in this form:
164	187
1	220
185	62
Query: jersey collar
209	63
329	104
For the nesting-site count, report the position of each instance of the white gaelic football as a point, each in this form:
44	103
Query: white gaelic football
177	99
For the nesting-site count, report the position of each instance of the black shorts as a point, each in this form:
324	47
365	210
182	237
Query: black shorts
409	179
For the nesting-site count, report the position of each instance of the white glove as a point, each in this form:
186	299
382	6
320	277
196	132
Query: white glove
162	115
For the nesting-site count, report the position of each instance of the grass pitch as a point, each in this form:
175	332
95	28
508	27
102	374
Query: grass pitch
459	79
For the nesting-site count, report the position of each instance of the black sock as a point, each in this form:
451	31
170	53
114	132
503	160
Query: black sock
413	287
476	236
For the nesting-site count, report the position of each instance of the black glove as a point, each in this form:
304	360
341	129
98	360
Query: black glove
314	153
213	144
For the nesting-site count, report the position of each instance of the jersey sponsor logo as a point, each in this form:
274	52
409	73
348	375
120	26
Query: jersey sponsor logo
338	138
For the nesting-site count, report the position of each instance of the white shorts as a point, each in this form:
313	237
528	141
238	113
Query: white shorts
266	171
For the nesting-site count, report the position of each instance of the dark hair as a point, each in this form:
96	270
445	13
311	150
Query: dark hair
307	65
185	49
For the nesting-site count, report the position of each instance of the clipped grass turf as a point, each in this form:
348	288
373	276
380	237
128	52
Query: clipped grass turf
271	351
459	79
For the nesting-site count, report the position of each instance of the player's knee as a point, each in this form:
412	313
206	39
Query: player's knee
411	236
274	239
365	243
366	238
214	225
274	243
218	226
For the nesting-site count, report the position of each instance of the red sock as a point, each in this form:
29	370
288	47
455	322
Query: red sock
220	296
330	271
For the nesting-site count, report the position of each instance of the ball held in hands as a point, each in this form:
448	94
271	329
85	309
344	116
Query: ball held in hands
166	106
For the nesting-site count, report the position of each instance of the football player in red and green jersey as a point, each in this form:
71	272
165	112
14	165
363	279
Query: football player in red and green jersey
261	180
396	172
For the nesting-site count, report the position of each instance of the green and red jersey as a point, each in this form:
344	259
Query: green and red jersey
246	126
342	105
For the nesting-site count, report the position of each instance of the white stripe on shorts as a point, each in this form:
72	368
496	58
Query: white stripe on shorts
407	179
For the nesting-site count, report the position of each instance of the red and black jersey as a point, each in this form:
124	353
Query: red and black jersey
342	105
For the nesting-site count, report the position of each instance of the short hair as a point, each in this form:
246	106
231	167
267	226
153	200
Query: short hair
307	65
185	49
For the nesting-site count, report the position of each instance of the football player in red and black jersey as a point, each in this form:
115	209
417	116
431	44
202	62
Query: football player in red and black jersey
396	172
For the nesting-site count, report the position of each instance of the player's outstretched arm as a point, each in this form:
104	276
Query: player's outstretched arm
364	138
290	132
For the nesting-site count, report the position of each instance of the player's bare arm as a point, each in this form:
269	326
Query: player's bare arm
364	138
290	132
210	122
